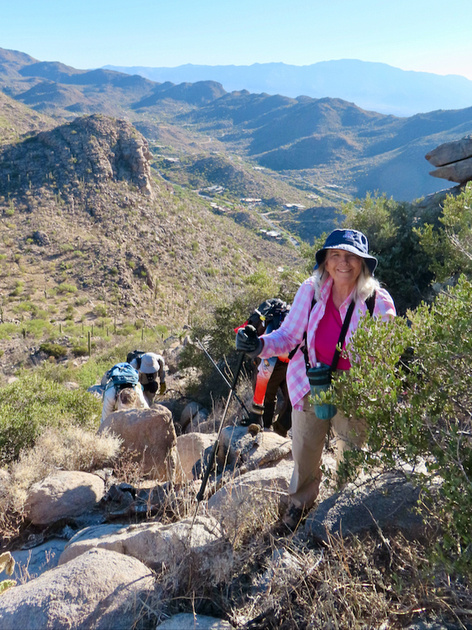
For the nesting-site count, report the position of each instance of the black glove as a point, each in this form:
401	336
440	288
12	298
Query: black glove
247	341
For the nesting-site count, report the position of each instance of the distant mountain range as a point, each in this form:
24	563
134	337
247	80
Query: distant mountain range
372	86
328	148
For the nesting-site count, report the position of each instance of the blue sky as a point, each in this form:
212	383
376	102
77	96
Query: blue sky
422	35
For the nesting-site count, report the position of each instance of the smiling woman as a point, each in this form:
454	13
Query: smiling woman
344	268
325	313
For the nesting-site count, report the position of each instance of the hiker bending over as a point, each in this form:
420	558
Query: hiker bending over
152	374
343	276
122	390
270	377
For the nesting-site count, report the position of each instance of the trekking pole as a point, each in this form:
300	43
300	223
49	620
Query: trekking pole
211	459
222	375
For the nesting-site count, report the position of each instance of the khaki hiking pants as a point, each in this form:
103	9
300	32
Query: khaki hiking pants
308	439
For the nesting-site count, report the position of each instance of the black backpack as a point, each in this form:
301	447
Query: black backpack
270	314
135	354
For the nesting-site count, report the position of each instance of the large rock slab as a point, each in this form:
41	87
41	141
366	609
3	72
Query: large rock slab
152	543
248	496
63	494
388	502
100	589
150	435
451	152
238	447
460	172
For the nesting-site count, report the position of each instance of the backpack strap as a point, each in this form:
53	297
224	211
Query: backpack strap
370	303
304	347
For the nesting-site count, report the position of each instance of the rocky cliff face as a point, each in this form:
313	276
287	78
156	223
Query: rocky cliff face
94	148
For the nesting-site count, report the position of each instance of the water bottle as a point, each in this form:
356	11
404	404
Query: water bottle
320	381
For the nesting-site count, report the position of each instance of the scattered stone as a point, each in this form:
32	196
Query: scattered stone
248	493
187	621
30	563
192	412
63	494
191	448
154	544
239	447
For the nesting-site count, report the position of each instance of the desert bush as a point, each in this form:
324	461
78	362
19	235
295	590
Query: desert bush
65	287
449	245
53	349
80	350
422	410
34	402
392	229
223	315
66	448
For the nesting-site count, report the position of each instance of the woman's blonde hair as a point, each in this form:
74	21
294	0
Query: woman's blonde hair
366	283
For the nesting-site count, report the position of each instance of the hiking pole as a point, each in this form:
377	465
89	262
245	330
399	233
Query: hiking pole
211	459
222	375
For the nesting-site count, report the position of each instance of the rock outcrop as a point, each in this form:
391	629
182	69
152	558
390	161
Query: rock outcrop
92	148
150	434
453	160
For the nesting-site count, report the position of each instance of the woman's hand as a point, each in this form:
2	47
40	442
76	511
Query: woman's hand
247	341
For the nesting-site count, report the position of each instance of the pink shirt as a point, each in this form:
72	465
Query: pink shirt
327	336
301	317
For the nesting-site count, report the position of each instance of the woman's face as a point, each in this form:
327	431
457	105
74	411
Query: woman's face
343	267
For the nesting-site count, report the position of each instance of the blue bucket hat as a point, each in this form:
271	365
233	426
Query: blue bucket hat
351	241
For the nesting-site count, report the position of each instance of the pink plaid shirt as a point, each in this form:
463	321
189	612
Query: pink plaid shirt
299	319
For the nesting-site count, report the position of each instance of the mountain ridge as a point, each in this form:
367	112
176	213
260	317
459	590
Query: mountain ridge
326	142
371	85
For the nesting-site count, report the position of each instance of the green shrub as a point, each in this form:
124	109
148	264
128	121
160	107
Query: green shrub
34	402
449	245
392	230
53	349
423	411
80	351
64	287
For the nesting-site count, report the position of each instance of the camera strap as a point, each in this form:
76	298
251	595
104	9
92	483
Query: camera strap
342	337
370	303
339	345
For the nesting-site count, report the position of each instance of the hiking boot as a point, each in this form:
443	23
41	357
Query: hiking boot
251	419
279	429
294	516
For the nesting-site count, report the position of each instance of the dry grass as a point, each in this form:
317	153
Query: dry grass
285	582
358	584
69	448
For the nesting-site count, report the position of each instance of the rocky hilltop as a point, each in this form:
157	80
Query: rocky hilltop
82	206
94	149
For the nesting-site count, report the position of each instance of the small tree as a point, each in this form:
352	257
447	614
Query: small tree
422	410
449	247
391	228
